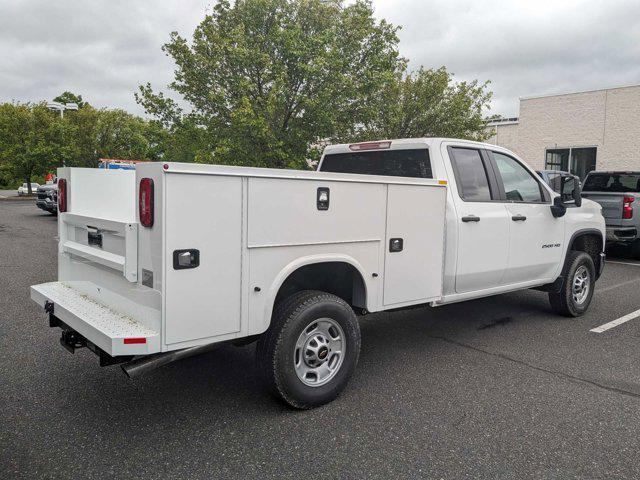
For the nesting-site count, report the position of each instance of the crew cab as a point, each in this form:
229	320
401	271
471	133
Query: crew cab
172	259
619	195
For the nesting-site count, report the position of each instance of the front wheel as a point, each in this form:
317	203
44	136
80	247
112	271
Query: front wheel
577	291
311	349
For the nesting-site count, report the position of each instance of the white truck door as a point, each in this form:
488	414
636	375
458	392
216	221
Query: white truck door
414	244
203	213
483	222
536	235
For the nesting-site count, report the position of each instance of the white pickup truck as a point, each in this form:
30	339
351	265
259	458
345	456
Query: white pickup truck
165	261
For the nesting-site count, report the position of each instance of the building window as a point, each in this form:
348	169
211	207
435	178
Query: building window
578	161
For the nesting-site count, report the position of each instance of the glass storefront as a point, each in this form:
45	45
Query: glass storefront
578	161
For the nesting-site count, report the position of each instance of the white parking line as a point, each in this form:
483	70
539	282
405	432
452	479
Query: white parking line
623	263
615	323
619	285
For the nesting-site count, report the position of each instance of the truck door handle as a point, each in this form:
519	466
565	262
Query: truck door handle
470	218
518	218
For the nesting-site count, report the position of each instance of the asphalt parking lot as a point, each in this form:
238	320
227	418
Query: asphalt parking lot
495	388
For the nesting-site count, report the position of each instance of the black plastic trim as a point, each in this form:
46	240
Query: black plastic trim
586	231
195	258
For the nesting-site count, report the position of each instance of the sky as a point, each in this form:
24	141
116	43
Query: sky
104	49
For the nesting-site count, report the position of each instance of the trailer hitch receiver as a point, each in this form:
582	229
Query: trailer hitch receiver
72	340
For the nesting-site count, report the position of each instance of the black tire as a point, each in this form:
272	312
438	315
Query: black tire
563	302
276	350
634	249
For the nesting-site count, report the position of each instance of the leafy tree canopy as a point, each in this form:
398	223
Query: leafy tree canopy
68	97
264	80
35	140
428	103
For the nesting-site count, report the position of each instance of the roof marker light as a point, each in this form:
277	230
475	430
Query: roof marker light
129	341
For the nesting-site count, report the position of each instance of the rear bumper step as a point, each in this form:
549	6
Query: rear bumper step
72	341
112	332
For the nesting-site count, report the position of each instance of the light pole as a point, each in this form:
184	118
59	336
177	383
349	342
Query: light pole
61	107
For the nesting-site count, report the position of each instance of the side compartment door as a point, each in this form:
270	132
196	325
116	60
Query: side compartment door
483	225
413	266
203	213
536	235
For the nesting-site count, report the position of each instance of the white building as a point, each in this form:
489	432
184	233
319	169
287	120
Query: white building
576	132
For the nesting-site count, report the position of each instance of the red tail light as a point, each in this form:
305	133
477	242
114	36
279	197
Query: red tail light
145	202
62	195
627	209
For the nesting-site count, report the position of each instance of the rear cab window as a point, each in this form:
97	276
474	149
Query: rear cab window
614	182
413	163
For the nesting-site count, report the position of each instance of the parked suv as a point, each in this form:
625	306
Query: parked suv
47	198
618	193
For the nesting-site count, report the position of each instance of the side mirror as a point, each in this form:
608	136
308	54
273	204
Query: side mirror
576	193
558	209
570	191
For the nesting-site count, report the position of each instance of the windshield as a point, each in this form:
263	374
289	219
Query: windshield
394	163
612	182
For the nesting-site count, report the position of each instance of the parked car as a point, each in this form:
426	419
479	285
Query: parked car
24	188
286	258
560	182
619	195
47	198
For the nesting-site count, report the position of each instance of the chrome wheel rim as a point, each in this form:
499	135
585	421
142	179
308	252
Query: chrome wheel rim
319	352
581	285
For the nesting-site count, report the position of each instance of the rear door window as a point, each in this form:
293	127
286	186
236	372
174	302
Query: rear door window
471	174
393	163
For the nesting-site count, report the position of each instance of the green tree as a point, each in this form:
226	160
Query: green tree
68	97
264	79
94	134
428	103
30	141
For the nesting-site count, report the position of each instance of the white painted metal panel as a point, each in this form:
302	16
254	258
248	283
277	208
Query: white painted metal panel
483	246
108	194
270	267
535	246
285	212
203	212
416	215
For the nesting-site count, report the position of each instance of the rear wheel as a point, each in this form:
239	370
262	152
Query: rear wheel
311	349
634	249
577	291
